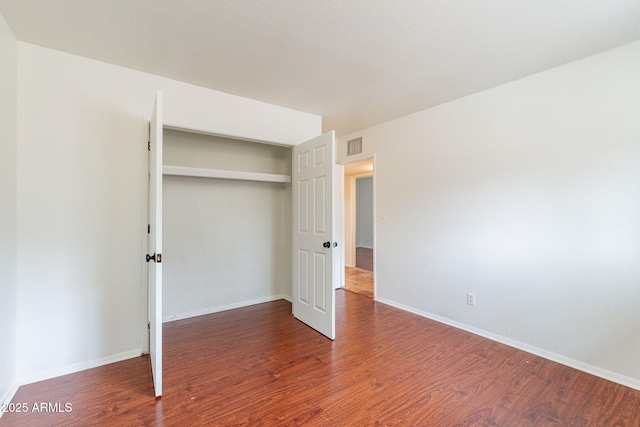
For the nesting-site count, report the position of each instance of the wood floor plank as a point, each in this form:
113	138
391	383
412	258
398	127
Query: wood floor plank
258	366
359	281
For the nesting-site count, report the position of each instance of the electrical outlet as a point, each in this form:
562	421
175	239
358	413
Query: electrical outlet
471	298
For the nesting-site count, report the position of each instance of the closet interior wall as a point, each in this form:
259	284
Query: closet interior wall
227	243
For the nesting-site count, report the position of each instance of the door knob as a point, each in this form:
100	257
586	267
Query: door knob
326	245
154	257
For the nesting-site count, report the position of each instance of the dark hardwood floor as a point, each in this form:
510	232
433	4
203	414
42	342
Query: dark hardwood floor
359	279
258	366
364	258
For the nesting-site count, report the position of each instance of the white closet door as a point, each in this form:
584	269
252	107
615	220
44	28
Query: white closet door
313	240
154	256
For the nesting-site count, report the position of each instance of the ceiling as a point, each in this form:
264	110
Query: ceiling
357	63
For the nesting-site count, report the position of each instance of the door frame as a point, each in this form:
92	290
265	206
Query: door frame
342	220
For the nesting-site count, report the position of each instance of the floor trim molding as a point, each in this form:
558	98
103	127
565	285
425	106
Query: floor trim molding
211	310
70	369
558	358
8	397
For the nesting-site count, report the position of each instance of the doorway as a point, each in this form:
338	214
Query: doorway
359	226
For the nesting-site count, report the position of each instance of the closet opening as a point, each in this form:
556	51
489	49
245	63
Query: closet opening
226	215
226	223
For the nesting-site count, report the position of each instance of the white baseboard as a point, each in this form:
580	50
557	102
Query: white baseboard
70	369
7	397
211	310
567	361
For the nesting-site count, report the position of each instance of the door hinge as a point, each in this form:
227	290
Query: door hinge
148	145
149	325
148	228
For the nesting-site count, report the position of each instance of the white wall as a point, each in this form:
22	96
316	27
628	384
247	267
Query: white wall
82	164
527	194
8	244
364	212
226	243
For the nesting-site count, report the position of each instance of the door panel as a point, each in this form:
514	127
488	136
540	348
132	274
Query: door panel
320	268
303	276
313	239
154	263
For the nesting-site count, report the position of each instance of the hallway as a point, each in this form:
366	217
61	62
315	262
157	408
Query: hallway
359	279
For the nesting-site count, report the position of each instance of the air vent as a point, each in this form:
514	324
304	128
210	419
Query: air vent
354	146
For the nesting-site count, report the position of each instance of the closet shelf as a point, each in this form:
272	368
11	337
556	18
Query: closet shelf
224	174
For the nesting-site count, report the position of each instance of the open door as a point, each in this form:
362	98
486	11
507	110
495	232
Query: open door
154	255
313	240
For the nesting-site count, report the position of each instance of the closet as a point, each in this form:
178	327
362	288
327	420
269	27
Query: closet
226	223
241	221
